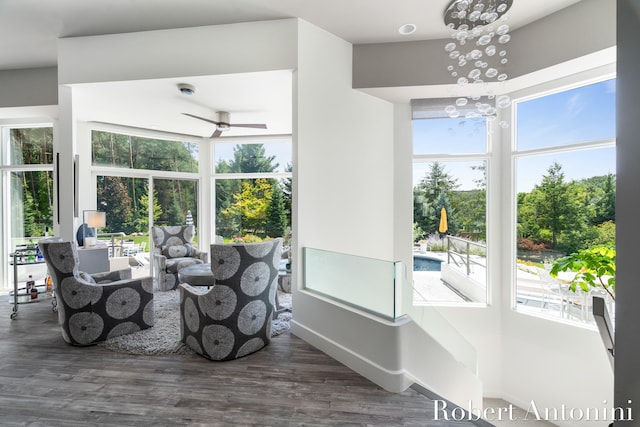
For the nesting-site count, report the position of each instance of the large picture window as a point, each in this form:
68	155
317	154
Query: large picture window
565	195
26	177
253	189
450	164
142	182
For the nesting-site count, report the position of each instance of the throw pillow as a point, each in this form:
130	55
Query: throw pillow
86	277
179	251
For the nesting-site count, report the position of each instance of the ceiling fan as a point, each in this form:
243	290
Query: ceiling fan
222	124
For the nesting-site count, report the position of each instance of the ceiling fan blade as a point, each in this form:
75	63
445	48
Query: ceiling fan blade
202	118
250	125
216	134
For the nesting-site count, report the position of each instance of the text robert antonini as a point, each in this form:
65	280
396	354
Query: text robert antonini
532	412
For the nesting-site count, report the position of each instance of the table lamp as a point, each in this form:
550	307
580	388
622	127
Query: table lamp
93	219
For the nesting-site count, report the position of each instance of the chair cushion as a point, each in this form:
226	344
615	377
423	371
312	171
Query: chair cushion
175	264
179	251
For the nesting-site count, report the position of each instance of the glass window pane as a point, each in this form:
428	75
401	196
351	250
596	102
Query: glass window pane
126	202
30	218
31	146
450	136
118	150
177	200
252	209
587	113
248	158
31	204
449	215
565	203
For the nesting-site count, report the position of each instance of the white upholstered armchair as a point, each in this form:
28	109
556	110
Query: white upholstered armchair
173	250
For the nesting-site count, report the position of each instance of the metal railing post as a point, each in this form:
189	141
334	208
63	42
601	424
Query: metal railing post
468	259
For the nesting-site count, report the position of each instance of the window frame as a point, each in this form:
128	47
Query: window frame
548	88
491	126
6	169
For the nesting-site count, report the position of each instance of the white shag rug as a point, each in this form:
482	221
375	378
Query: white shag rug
164	336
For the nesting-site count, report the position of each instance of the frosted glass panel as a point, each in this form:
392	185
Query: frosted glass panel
366	283
381	287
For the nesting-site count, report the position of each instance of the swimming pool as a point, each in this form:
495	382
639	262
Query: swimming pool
426	263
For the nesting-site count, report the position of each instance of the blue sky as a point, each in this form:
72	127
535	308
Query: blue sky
573	116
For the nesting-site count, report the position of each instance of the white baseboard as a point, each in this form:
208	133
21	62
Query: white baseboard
391	380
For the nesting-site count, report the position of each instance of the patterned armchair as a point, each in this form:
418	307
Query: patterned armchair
173	250
233	318
95	307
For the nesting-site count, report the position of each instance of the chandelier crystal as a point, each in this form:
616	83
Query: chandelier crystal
478	54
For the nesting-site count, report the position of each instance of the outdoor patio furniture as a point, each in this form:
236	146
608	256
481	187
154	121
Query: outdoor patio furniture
172	250
95	307
233	318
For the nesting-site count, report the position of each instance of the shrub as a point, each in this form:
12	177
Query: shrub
247	238
525	244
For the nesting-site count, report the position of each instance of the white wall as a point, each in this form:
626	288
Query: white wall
344	153
343	186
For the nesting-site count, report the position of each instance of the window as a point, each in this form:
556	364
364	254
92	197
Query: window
144	181
134	152
253	189
26	176
450	165
565	193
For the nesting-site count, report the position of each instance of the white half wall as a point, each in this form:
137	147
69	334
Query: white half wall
343	183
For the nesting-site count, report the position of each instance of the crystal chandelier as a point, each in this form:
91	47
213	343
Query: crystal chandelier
478	54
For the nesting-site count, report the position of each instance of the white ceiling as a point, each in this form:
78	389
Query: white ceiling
29	30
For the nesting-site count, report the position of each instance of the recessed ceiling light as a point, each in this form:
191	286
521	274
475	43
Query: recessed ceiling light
186	89
407	29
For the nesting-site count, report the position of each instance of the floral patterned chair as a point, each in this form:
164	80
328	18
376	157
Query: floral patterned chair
233	318
95	307
173	250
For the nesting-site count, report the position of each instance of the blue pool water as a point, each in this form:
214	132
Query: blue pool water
422	263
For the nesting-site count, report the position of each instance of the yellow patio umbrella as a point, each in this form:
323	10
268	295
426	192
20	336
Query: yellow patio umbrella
443	221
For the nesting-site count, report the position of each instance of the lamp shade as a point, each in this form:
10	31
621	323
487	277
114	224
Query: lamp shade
95	219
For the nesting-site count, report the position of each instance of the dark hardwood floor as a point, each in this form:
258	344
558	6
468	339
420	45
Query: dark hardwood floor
46	382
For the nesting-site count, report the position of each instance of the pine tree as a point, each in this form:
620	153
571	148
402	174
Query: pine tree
174	214
276	221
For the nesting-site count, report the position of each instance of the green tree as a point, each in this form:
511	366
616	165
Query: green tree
276	218
248	158
606	206
113	198
233	197
250	207
287	192
142	216
174	214
556	206
426	207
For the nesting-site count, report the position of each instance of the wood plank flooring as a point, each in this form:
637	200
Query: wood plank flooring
46	382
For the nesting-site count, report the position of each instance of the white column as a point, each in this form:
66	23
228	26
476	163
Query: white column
64	145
